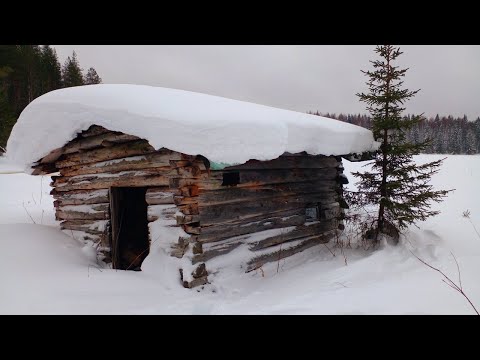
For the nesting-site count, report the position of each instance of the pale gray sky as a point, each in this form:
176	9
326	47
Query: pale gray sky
301	78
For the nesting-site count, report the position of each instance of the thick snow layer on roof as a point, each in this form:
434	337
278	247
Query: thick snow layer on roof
221	129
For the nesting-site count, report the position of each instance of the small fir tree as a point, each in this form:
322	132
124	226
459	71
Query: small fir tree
71	72
92	77
51	72
396	184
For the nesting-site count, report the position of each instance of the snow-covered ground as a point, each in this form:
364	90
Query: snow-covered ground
44	271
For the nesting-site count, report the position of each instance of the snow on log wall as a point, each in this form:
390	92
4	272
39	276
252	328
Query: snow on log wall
294	190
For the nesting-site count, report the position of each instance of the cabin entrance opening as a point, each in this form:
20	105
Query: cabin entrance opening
128	216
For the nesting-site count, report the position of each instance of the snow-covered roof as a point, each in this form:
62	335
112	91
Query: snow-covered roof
221	129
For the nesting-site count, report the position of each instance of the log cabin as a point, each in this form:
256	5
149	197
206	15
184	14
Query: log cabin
120	187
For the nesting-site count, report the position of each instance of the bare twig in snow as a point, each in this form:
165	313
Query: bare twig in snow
143	252
93	267
466	214
449	281
458	269
41	188
279	257
331	252
23	203
344	256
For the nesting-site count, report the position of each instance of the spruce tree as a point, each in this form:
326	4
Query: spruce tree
92	77
27	72
7	119
71	72
51	72
476	126
396	184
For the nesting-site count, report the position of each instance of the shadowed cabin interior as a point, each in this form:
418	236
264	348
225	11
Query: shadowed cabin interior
128	214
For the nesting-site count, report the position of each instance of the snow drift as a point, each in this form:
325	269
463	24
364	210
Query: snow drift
44	271
224	130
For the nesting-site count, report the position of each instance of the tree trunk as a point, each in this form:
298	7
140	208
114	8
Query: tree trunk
383	186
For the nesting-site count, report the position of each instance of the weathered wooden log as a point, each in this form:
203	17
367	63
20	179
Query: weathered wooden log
199	276
288	162
190	172
105	139
195	282
214	252
160	195
212	183
80	197
175	163
197	248
127	179
191	190
187	219
275	176
87	212
52	156
132	148
190	209
159	160
232	211
60	180
200	271
177	250
62	204
185	200
232	195
86	208
299	232
280	254
222	247
224	231
44	169
88	226
112	166
248	219
93	130
193	229
162	171
178	182
81	193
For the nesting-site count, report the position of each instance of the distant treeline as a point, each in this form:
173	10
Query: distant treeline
448	135
28	71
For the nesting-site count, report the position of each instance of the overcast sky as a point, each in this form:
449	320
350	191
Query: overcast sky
302	78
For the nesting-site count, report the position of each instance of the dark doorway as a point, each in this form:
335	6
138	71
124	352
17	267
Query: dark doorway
128	216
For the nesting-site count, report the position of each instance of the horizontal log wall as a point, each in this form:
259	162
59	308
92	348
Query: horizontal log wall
265	195
99	159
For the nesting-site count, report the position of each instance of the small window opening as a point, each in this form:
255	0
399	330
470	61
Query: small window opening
231	178
311	213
